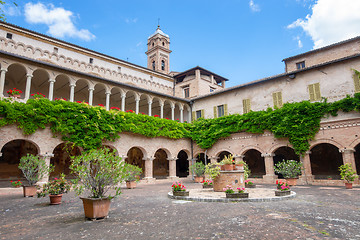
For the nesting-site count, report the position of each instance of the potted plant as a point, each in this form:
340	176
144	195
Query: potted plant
212	170
179	189
16	184
329	178
34	169
239	165
98	171
198	169
283	189
55	189
249	184
348	174
207	183
228	163
15	93
290	169
132	176
230	193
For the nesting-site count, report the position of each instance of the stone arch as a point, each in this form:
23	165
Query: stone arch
161	163
15	78
167	109
155	106
11	152
329	141
182	164
222	154
99	96
115	97
143	104
40	82
247	148
255	161
357	158
284	153
136	156
130	103
81	92
20	47
201	157
325	160
62	159
62	87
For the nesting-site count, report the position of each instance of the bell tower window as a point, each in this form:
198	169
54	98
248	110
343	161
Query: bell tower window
153	65
163	65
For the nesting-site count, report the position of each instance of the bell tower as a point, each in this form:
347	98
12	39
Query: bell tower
158	53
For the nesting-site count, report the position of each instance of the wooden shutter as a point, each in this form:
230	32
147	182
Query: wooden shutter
202	113
317	91
280	102
277	99
215	111
246	105
225	109
193	116
311	92
356	83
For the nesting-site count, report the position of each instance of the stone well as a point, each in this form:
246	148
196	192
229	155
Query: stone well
233	178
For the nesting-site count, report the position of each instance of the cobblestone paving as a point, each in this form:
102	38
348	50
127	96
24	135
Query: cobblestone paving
147	213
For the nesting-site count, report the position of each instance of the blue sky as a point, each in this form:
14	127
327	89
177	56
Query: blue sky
242	40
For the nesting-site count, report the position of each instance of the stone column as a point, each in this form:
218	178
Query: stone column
72	91
191	161
172	112
306	174
149	169
51	89
181	114
28	86
91	92
46	156
348	156
172	169
108	100
123	97
2	81
161	109
269	168
149	103
189	116
137	101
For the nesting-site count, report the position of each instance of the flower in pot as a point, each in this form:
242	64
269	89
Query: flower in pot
283	189
348	174
249	184
38	95
239	165
290	169
207	183
230	193
98	171
198	170
55	189
15	93
132	176
34	169
228	163
179	189
16	184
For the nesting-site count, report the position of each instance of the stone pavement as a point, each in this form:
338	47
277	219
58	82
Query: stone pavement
147	213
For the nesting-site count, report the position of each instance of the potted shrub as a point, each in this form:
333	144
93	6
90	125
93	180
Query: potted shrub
198	169
207	183
212	170
34	169
348	174
249	184
228	163
98	171
290	169
132	175
230	193
283	189
55	189
239	165
179	189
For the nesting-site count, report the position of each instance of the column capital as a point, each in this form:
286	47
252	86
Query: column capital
181	107
150	102
27	75
308	152
52	80
72	85
46	154
91	89
267	154
149	159
171	159
3	70
107	93
347	150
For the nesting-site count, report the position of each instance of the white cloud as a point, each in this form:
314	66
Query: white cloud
254	7
11	10
57	19
331	21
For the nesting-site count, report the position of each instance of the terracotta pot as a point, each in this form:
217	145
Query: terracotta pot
207	186
222	167
55	199
239	167
250	185
131	184
282	193
29	191
348	185
228	167
291	181
181	193
198	179
96	208
237	195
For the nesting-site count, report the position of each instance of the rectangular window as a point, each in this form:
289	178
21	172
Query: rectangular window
186	92
198	114
246	106
300	65
91	60
56	50
277	99
9	35
220	110
314	92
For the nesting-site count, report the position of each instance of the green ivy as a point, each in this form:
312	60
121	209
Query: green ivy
87	126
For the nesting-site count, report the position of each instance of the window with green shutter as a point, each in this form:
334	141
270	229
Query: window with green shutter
277	99
314	92
356	83
215	112
246	106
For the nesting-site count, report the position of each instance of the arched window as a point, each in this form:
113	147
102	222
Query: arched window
163	44
153	65
153	44
163	65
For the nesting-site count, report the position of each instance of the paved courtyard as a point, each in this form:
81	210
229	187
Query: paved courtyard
147	213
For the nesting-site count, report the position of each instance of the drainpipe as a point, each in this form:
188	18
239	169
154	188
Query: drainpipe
191	142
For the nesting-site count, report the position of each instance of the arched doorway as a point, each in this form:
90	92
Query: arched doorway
182	164
161	164
10	159
255	162
284	153
62	159
135	157
222	155
325	161
201	158
357	158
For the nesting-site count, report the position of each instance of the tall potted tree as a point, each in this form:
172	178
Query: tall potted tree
198	169
132	175
348	174
290	169
98	171
34	169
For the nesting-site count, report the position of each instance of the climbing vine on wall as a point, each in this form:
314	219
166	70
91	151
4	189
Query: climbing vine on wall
88	126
